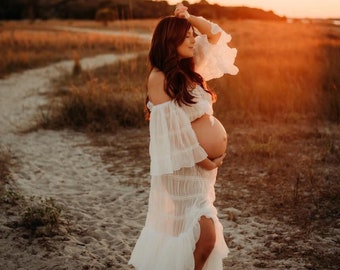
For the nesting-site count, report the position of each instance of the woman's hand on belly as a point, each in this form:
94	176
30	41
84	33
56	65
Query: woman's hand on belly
209	164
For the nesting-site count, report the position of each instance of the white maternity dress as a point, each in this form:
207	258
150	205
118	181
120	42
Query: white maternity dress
182	192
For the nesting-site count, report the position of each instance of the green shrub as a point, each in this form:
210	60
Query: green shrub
41	213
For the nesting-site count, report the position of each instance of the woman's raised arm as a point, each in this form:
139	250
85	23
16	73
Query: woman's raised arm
201	24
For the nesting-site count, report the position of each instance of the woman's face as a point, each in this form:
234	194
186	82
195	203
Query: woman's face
186	49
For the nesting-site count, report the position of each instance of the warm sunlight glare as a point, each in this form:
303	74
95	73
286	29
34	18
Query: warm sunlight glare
288	8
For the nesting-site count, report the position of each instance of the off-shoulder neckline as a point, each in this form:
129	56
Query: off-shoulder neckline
158	105
151	105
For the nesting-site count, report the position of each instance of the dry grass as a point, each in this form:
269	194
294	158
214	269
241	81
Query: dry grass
285	69
41	216
25	46
146	25
101	100
5	163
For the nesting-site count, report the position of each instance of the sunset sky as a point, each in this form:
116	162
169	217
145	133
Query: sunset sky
289	8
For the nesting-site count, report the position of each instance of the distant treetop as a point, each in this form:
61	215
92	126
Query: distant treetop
125	9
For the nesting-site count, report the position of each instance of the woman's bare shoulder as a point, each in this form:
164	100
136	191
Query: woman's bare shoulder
156	91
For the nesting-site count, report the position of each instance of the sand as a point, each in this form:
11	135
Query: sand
105	216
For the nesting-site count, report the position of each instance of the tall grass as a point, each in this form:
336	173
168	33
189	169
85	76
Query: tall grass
285	69
27	48
101	100
137	25
330	99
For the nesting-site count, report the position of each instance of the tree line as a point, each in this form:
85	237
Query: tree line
119	10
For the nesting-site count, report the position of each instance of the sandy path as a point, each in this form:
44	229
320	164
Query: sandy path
63	166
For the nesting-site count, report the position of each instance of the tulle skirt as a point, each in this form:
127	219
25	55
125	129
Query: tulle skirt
177	202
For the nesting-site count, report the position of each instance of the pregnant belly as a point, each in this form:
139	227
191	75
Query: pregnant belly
211	135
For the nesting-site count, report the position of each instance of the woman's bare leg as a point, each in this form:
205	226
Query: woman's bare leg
205	243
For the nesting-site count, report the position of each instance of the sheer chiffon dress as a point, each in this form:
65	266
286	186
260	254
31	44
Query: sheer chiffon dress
181	192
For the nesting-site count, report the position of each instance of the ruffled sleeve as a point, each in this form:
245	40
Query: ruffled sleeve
214	60
173	142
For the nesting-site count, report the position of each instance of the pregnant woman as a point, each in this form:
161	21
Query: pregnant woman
187	145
